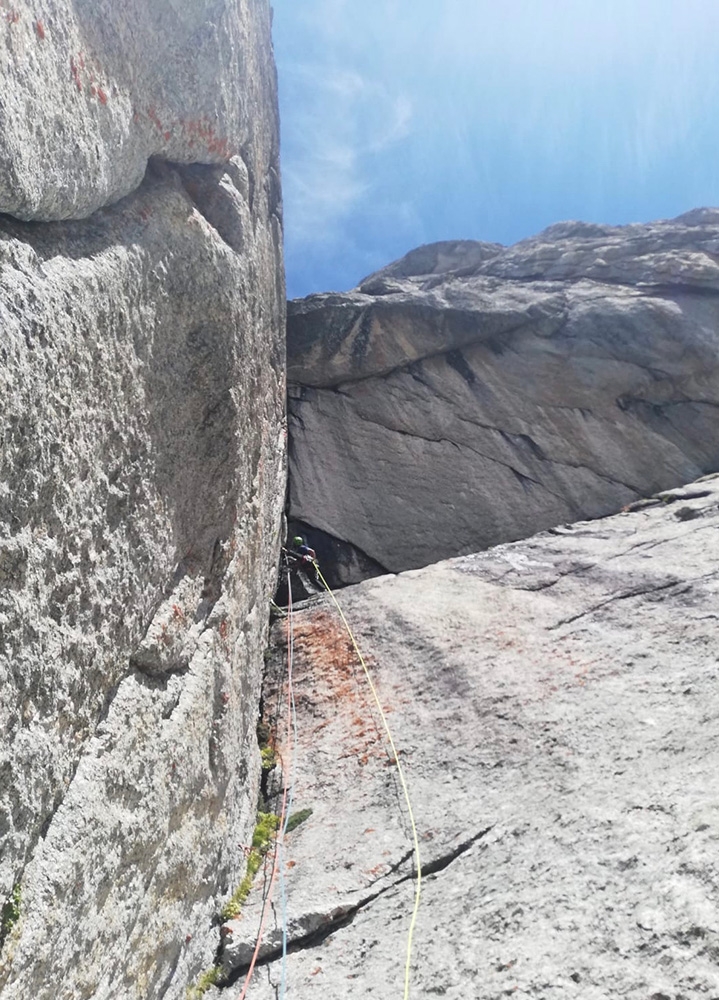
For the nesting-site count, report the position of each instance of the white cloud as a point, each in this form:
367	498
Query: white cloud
409	122
347	118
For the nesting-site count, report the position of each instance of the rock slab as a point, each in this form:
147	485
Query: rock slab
554	705
472	394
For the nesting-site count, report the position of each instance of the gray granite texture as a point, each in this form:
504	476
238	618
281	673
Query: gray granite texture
472	394
142	480
554	705
92	88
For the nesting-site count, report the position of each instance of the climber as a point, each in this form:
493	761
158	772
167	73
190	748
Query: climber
300	548
302	560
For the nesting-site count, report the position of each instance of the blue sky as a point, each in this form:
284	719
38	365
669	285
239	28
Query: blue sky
408	122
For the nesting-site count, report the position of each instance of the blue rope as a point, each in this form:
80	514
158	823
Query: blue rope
283	883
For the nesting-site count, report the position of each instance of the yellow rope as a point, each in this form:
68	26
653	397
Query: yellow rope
400	772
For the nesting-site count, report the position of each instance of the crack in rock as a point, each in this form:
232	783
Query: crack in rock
639	592
343	916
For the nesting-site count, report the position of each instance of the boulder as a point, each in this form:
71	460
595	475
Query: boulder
553	706
471	394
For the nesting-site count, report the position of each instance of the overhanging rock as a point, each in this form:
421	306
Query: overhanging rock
472	394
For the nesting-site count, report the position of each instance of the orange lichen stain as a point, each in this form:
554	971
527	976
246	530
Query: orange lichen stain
75	73
166	136
291	864
153	116
12	16
203	132
40	28
101	96
329	654
224	629
328	671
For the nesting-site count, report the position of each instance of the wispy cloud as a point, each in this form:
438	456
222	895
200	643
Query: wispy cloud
406	123
349	114
347	119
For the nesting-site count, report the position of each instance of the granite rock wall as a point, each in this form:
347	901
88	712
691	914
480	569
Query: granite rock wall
141	488
553	704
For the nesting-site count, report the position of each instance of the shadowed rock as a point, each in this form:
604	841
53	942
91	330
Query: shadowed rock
470	394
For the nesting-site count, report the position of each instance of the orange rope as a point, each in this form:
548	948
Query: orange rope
283	812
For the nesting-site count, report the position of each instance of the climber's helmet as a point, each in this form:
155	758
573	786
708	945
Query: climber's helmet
297	541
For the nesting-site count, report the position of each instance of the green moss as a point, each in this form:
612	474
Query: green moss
265	829
10	912
296	818
211	977
269	758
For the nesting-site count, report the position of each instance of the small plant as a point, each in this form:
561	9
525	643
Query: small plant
269	758
265	830
296	818
211	977
10	912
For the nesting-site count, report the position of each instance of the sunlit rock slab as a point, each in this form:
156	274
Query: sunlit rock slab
554	705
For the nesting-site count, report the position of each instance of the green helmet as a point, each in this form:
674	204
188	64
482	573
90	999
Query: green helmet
297	541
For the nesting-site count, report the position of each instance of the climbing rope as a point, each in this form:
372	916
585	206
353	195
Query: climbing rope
403	782
293	756
287	796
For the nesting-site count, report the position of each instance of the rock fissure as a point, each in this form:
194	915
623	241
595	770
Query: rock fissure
638	592
344	916
339	384
460	446
491	458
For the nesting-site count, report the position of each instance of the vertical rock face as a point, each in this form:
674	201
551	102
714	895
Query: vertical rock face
92	88
471	394
141	486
